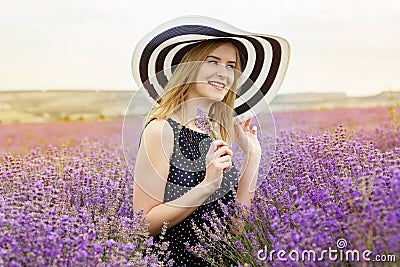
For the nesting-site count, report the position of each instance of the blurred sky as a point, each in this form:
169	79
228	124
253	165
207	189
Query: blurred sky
350	46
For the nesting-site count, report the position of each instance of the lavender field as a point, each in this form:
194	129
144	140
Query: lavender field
66	196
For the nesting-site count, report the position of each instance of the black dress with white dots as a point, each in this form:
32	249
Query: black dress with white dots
187	169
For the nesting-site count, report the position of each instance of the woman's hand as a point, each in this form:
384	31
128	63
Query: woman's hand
218	160
246	139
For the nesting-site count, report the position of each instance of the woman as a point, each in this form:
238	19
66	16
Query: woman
180	173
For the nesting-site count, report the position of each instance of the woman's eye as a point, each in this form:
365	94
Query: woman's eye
214	62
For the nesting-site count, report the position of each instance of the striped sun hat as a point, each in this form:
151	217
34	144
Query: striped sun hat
264	58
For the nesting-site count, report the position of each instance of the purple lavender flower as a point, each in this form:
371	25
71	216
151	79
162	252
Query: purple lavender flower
202	121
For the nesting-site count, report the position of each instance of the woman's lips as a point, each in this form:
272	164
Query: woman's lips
217	85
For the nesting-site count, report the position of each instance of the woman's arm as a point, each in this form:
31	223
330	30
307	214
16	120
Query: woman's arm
248	142
151	174
250	145
248	178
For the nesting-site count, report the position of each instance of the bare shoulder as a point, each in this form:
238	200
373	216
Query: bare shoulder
159	133
158	128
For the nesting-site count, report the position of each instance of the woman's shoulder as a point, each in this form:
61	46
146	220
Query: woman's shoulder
158	136
158	128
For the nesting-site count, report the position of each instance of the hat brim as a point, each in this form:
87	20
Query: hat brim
264	58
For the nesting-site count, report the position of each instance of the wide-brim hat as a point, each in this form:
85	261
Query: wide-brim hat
264	58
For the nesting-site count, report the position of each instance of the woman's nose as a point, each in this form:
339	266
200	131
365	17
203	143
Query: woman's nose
221	71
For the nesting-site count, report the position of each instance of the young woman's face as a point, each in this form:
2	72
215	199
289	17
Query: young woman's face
216	74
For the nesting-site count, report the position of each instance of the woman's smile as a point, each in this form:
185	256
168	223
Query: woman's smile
217	85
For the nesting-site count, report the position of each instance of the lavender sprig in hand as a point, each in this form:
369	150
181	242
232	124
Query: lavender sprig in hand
203	122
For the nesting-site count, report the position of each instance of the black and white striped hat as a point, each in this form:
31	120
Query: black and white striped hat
264	58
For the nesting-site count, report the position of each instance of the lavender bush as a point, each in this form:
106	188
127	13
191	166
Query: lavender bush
386	136
318	190
72	207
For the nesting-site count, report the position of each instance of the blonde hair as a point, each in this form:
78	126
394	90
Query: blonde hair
177	89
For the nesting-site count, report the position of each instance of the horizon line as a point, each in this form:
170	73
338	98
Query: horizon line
135	90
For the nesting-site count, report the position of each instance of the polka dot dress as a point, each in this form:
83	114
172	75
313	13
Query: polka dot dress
187	169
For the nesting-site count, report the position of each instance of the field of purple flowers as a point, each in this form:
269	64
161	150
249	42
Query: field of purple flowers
71	205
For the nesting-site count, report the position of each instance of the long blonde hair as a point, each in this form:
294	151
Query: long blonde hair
177	89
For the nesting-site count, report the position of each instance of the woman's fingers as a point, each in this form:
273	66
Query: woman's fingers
247	125
224	163
220	147
225	158
216	144
223	150
239	128
218	153
228	166
254	130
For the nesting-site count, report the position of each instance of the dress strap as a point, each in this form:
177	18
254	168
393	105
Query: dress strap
176	129
173	124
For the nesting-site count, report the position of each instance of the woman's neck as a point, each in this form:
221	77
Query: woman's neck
187	111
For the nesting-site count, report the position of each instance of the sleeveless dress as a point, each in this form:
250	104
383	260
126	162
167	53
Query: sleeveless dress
187	169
